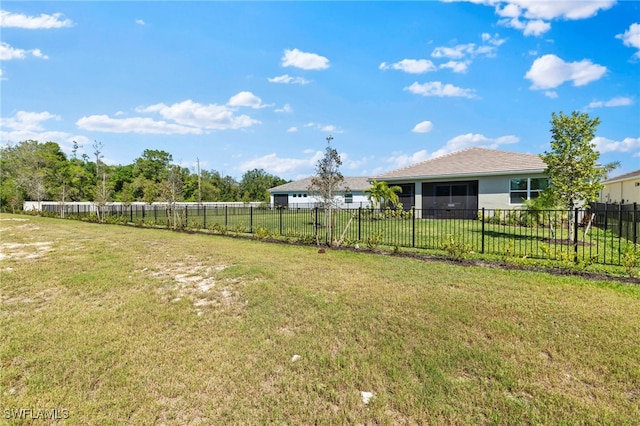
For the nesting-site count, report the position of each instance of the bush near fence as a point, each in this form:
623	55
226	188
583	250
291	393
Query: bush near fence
602	234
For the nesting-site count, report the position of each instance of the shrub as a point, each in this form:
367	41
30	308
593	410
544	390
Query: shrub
262	233
373	241
455	248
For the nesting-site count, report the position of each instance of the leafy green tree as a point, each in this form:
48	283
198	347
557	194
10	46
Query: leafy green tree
208	189
381	192
255	185
35	169
153	165
572	162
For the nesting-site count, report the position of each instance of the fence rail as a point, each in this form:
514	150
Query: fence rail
601	234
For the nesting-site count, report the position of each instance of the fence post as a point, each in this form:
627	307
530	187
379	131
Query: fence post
482	234
575	234
131	213
413	226
186	215
315	222
251	219
359	223
281	209
635	223
226	219
204	219
619	222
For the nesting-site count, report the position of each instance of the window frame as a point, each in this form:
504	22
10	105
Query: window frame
527	193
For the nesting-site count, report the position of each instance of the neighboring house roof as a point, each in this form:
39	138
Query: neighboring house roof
626	176
353	183
470	162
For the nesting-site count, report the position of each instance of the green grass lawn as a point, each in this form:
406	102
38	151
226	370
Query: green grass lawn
501	234
124	325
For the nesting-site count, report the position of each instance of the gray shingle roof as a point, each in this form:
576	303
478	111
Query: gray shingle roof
625	176
470	162
353	183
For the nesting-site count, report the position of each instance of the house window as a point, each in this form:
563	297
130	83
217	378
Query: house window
526	189
348	198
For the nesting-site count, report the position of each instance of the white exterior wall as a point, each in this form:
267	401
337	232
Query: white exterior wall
309	202
627	190
493	192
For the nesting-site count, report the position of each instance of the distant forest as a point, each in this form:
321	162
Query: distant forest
34	171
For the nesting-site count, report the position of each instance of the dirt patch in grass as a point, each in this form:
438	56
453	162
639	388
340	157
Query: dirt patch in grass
200	284
24	251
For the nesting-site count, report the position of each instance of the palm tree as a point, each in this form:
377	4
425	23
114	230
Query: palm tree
380	192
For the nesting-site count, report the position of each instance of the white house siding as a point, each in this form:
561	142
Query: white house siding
624	192
304	201
493	191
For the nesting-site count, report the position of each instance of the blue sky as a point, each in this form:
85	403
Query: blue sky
244	85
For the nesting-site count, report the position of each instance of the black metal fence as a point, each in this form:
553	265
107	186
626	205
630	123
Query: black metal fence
603	234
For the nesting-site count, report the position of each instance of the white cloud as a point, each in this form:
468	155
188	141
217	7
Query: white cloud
535	27
631	38
423	127
402	160
570	10
324	127
144	125
278	165
7	53
471	140
493	39
25	125
551	94
532	16
411	66
457	66
38	54
303	60
212	116
456	52
436	88
31	121
287	79
613	102
140	22
44	21
549	71
461	55
246	99
604	145
286	108
292	129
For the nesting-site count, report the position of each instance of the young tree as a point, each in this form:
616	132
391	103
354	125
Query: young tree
326	184
572	163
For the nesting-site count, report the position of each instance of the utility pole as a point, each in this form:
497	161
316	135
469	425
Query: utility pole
199	183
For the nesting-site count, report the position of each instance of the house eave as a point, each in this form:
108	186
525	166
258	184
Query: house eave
459	175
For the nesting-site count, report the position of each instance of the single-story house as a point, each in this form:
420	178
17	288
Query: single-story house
623	189
461	183
296	194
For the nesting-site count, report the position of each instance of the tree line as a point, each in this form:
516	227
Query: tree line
35	171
